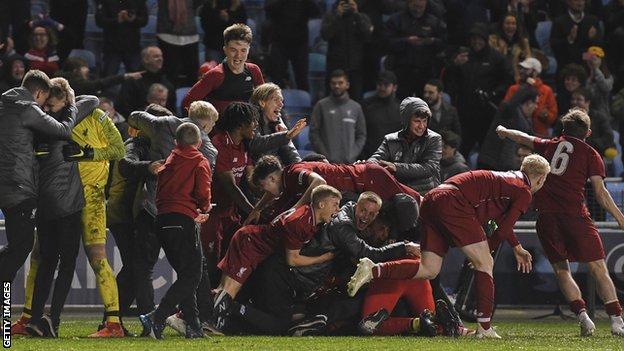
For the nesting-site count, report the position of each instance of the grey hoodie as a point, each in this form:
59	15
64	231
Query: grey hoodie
20	119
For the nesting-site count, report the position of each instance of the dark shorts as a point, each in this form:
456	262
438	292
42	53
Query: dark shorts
569	237
250	245
447	219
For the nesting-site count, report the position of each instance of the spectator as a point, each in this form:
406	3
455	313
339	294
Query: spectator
412	154
121	23
601	137
216	16
76	71
524	11
573	32
452	161
571	78
500	154
338	126
73	15
510	39
545	113
415	36
272	136
133	96
6	50
381	112
15	14
346	30
232	80
108	106
600	80
614	39
478	79
443	114
289	39
178	38
15	66
42	54
157	94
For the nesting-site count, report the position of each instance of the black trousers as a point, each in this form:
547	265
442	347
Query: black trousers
126	285
59	242
146	250
179	236
297	55
180	63
19	222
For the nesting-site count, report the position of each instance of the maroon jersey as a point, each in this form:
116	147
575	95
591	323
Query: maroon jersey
295	227
341	177
572	162
502	196
231	158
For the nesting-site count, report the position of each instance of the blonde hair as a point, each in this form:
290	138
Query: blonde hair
322	192
370	196
202	110
263	93
60	88
535	165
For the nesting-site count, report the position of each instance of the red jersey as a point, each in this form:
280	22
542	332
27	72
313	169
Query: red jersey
295	227
572	162
502	196
295	177
231	158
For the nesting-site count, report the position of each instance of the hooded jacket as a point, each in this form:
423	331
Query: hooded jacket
60	185
417	162
268	141
20	119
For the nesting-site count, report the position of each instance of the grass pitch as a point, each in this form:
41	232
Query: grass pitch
552	334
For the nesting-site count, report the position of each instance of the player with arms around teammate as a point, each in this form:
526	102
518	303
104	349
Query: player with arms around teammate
453	215
564	227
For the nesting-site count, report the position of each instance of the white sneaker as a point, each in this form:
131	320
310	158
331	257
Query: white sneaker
587	326
617	326
486	334
363	274
178	324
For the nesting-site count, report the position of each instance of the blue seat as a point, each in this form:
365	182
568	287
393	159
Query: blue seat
302	141
86	55
252	24
297	103
369	94
1	215
90	26
150	27
180	94
317	63
616	189
200	29
314	31
542	35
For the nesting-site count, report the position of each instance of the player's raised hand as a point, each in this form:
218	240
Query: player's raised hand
253	217
412	249
501	131
201	218
524	259
296	129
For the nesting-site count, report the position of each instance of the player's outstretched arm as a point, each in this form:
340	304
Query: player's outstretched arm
295	259
515	136
605	200
254	215
314	180
228	182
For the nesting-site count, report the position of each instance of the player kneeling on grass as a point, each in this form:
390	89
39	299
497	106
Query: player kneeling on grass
182	200
564	227
251	244
452	215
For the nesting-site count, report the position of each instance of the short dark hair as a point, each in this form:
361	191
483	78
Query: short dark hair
36	80
576	123
338	73
73	63
322	192
314	157
524	94
238	114
238	31
450	138
574	70
158	110
266	165
436	83
187	134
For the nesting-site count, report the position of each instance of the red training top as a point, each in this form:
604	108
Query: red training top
572	162
295	177
231	158
295	227
184	184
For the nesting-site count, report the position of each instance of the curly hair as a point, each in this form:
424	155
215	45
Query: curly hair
238	114
266	165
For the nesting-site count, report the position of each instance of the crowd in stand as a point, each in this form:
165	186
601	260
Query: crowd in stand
416	89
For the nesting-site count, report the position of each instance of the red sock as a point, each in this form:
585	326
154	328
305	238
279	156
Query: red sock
577	306
395	326
485	298
613	308
401	269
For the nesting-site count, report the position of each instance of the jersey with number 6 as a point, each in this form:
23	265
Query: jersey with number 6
572	162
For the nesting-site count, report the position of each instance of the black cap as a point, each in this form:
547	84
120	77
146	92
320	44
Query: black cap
387	77
479	30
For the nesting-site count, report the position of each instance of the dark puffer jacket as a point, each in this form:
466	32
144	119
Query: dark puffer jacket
20	119
60	187
341	237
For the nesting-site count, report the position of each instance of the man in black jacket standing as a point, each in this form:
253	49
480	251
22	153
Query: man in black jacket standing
21	117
